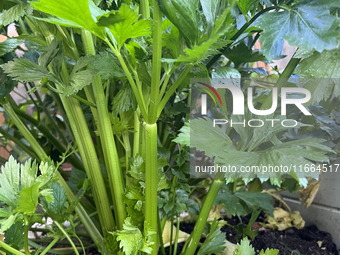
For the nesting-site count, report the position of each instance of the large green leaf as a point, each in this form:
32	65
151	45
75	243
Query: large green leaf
14	236
79	14
214	243
212	10
241	203
183	14
124	24
28	200
324	69
307	24
205	137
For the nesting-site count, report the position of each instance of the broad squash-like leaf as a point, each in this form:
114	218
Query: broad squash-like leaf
307	24
241	203
324	71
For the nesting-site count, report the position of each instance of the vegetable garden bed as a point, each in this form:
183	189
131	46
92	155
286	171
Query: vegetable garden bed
129	93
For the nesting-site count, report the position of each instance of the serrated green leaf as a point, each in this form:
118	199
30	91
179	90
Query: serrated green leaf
28	174
269	252
324	69
14	236
211	11
183	14
14	13
9	182
4	213
78	81
7	222
201	52
306	24
28	200
107	65
9	45
241	203
242	54
122	102
59	198
214	243
124	24
204	136
246	5
244	248
47	193
65	10
22	69
132	240
183	137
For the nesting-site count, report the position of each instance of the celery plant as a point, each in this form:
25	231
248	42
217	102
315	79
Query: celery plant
126	65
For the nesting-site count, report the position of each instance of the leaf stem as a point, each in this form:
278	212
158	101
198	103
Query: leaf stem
10	249
27	250
176	238
67	236
195	236
18	143
173	88
49	247
144	9
74	161
109	146
239	32
136	89
160	234
283	79
156	63
151	180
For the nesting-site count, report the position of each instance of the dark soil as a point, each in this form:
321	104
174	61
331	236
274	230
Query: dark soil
289	242
302	241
